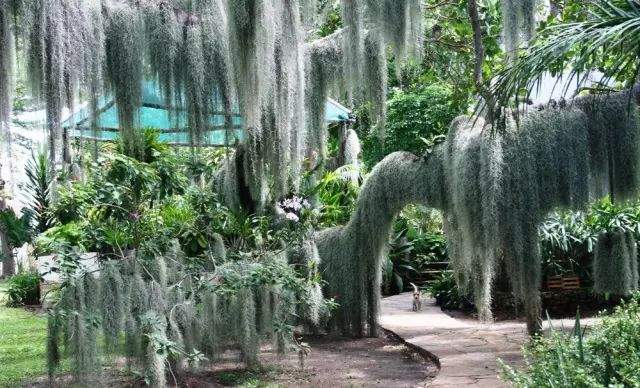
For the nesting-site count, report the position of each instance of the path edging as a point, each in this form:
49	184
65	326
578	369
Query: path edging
418	349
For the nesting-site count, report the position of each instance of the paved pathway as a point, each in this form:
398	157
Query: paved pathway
466	349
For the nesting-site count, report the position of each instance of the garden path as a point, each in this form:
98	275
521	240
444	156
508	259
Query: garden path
466	350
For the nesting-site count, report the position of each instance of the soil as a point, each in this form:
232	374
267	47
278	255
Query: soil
332	362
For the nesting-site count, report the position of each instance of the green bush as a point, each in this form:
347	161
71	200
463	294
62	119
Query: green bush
606	355
447	294
23	290
413	116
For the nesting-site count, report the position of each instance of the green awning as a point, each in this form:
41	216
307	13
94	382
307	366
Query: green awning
172	125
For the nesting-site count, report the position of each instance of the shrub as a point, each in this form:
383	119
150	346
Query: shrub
23	289
607	355
447	293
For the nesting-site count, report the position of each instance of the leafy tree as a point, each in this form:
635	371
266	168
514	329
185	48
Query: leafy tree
413	116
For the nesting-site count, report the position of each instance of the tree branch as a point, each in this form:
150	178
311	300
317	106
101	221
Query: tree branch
472	9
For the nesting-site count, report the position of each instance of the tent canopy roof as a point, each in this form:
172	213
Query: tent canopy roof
154	113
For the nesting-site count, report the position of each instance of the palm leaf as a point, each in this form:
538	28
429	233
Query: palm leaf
610	30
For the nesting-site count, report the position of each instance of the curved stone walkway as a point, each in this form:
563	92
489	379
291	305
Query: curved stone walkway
467	351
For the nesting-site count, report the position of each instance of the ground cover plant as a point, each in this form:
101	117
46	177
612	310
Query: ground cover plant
604	354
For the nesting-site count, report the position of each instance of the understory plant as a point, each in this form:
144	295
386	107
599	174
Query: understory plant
23	289
604	354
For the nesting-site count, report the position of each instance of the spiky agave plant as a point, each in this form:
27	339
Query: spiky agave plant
39	181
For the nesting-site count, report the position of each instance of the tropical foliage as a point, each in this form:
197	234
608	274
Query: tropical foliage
603	354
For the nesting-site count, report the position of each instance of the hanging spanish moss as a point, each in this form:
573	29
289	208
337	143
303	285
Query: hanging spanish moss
615	264
518	20
210	57
6	63
124	70
633	261
112	305
375	69
154	365
324	71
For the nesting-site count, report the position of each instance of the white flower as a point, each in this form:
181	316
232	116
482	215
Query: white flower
292	217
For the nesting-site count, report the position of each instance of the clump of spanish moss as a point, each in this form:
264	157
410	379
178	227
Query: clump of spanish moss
210	325
113	300
124	70
265	307
324	70
6	64
53	340
615	261
238	307
218	249
284	307
154	337
80	332
518	20
375	69
246	331
353	16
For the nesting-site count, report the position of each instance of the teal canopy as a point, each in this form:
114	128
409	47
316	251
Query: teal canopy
172	125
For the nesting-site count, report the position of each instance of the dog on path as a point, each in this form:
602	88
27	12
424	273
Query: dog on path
417	302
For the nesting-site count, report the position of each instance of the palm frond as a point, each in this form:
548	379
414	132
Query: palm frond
611	31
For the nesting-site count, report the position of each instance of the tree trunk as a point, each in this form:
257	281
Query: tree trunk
6	253
8	263
478	48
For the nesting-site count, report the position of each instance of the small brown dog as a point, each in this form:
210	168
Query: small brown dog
417	303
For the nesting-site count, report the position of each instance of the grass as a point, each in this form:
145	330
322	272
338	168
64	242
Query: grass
22	343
